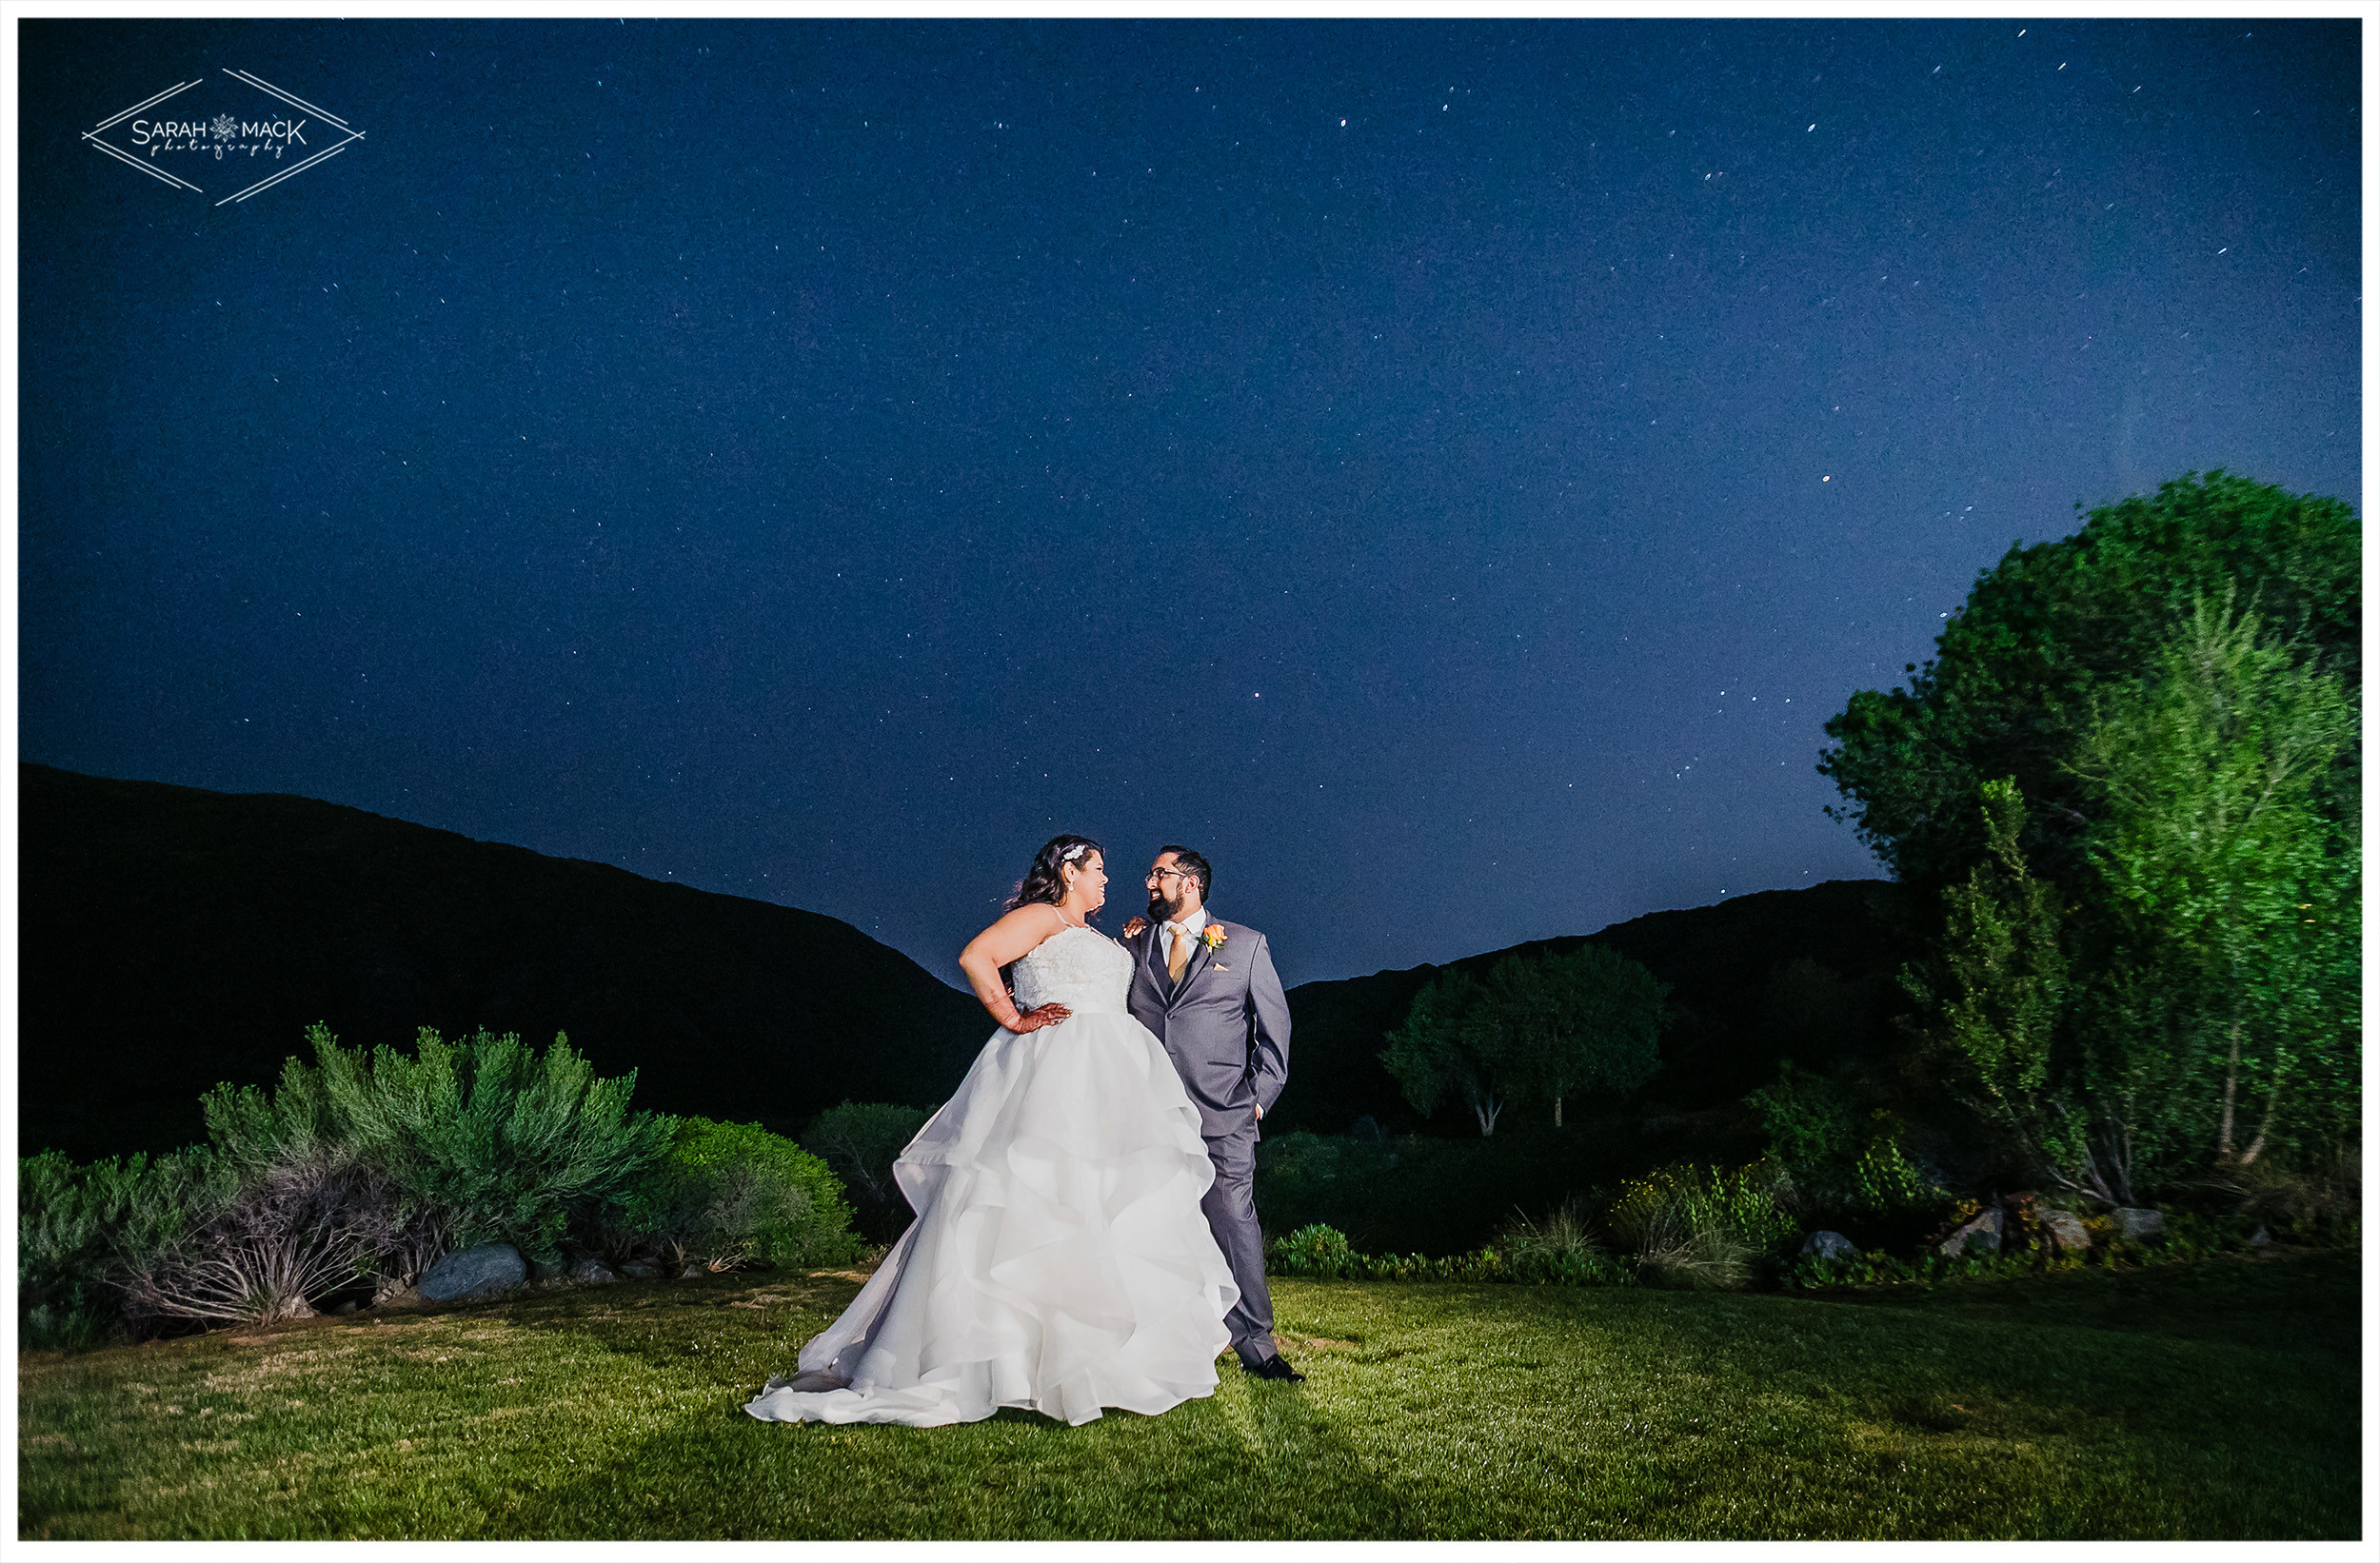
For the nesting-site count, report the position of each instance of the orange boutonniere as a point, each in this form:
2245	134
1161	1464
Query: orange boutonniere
1214	934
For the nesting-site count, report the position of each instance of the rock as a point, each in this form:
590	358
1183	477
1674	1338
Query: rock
1982	1233
546	1270
391	1290
481	1271
2262	1239
2135	1223
347	1307
592	1272
694	1270
1829	1245
641	1272
2066	1230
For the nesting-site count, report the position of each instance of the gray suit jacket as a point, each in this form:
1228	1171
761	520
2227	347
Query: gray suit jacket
1226	1026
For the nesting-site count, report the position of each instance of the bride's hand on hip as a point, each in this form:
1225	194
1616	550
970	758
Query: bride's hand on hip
1034	1019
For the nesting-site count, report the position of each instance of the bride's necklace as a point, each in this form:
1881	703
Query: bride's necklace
1068	920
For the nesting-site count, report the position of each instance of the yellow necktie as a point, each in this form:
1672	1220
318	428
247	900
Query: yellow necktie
1179	957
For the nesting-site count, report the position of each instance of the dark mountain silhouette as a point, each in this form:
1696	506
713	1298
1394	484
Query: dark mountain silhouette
173	937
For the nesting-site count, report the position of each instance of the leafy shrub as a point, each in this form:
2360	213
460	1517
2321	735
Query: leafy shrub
1699	1227
83	1232
1839	1163
727	1195
1319	1252
497	1142
1884	1180
1323	1253
1813	1128
61	1255
860	1140
1485	1264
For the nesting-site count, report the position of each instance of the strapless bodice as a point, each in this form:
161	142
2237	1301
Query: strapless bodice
1080	968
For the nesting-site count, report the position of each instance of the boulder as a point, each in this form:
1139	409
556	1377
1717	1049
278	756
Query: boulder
391	1290
695	1269
2262	1239
481	1271
592	1272
641	1272
1982	1233
2066	1230
1829	1245
2135	1222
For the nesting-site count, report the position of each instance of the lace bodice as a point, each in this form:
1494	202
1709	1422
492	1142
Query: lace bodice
1080	968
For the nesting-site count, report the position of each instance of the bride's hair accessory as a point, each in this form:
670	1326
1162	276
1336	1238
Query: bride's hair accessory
1042	884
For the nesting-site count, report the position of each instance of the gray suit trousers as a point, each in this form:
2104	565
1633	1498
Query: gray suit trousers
1230	1207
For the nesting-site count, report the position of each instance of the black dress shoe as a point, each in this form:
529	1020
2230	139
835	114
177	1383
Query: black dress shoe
1275	1368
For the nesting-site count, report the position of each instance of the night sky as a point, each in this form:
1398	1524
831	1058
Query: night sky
1446	473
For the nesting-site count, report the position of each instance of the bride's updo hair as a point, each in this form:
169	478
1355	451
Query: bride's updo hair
1043	884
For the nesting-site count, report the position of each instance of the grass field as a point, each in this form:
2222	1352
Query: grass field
2220	1400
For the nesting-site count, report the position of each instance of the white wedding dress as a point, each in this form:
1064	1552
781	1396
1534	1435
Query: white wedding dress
1059	1261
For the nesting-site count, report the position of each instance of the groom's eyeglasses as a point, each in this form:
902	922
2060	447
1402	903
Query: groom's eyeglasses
1165	874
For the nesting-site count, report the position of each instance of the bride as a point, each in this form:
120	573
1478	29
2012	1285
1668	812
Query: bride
1059	1260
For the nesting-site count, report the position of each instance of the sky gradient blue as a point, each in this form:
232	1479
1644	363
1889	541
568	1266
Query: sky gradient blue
1446	473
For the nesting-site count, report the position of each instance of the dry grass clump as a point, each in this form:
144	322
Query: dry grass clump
1562	1247
300	1230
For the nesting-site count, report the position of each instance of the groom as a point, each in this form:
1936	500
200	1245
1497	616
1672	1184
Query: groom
1208	990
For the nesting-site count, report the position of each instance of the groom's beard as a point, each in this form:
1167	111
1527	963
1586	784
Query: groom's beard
1161	910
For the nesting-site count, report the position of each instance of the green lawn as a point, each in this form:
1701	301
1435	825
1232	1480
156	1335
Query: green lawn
2215	1400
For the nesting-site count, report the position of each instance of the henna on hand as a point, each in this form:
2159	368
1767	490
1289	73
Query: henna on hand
1034	1019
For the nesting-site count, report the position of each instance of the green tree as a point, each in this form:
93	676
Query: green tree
1588	1020
1449	1049
2010	691
2198	1004
2227	851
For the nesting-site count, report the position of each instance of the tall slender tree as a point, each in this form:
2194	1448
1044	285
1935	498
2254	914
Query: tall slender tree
2228	852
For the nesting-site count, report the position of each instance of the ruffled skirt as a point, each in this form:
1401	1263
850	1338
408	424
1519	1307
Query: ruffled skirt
1059	1260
